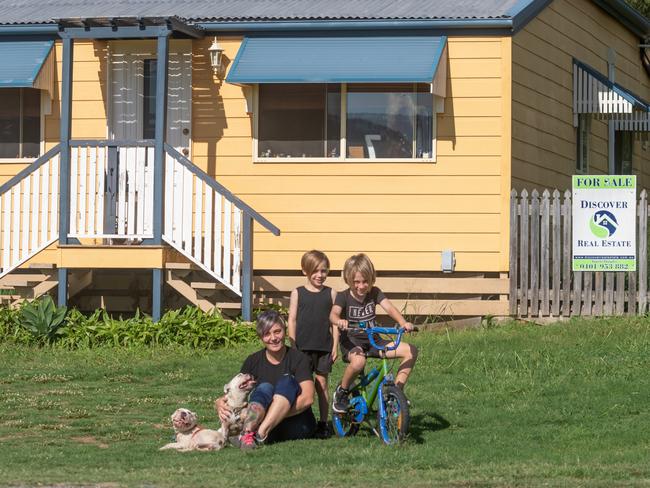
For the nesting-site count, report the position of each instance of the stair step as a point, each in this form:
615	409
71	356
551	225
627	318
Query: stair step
207	285
42	266
27	279
181	266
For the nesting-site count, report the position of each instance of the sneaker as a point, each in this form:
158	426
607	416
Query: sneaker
322	431
247	440
341	402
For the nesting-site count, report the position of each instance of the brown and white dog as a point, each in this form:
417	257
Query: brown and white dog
193	437
236	392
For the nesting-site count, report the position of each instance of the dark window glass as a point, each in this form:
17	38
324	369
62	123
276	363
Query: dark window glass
623	149
582	143
299	120
389	121
31	123
20	122
149	100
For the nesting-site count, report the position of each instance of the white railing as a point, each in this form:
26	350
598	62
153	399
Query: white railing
202	222
29	216
111	189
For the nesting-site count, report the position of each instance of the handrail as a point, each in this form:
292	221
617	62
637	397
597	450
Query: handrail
112	143
208	180
31	168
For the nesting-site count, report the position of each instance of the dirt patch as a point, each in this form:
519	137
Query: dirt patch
90	440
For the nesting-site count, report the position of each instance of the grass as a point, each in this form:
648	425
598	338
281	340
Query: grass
516	405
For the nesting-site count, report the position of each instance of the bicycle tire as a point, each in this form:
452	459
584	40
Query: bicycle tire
395	426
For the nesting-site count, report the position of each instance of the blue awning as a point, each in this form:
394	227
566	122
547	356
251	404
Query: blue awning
350	59
22	62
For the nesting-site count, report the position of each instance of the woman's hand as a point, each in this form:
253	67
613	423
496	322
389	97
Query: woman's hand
222	409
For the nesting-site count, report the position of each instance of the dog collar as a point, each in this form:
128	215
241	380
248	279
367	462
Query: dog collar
196	430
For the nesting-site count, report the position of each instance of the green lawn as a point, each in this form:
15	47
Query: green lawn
517	405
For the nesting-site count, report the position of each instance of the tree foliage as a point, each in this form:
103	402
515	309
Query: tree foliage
642	6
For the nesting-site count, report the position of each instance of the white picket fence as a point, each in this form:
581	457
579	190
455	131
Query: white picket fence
29	216
111	191
201	222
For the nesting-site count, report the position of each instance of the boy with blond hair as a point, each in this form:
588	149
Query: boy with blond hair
358	304
310	329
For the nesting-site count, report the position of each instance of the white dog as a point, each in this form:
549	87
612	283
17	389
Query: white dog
193	437
236	390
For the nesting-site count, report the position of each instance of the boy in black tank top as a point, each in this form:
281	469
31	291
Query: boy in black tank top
310	329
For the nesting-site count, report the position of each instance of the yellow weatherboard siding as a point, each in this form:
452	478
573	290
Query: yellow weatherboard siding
543	136
402	214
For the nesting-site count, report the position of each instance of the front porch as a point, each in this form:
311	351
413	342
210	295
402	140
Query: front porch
131	204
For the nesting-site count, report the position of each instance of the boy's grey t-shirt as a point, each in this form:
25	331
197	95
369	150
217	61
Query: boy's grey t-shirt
355	311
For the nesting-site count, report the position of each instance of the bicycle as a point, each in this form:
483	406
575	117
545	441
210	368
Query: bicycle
393	417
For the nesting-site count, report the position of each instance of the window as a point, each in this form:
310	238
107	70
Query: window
355	121
623	149
20	122
149	100
582	143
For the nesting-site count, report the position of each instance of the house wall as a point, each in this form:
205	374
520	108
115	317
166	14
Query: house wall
402	214
543	136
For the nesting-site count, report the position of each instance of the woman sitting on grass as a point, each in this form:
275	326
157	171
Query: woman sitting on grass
279	408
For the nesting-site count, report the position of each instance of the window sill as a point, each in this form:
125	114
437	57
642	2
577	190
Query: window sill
342	160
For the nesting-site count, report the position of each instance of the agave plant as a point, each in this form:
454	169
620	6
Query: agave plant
42	318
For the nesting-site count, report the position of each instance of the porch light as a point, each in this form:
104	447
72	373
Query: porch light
216	52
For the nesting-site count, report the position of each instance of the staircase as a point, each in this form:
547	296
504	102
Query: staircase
111	201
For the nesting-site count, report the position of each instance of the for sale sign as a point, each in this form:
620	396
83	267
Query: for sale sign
604	223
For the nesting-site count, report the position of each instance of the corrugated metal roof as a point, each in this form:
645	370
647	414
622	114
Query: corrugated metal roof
316	59
43	11
21	62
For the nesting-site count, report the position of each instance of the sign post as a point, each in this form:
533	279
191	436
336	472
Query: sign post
604	223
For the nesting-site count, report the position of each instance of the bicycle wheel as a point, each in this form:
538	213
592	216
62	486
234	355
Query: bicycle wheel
394	427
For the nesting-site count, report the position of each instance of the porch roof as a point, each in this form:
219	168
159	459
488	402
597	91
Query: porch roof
24	64
328	59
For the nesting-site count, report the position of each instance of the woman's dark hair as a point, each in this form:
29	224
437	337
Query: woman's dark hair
268	319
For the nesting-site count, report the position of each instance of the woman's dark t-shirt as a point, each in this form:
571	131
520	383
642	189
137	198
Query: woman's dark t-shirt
294	363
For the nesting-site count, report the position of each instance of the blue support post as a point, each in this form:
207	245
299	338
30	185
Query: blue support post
160	132
158	172
247	268
62	295
65	134
157	291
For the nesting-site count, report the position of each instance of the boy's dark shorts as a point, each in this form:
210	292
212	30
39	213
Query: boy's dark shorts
348	343
321	362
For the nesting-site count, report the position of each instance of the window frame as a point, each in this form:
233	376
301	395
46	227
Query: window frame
342	158
41	109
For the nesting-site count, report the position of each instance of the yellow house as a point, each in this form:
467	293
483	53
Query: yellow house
205	151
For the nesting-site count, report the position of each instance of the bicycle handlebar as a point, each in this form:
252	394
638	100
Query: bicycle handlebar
371	330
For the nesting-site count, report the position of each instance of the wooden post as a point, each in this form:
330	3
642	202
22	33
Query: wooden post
557	252
534	253
545	252
566	255
523	262
643	252
513	253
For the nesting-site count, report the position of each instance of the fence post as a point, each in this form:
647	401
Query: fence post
513	252
534	253
544	260
643	252
566	255
557	252
523	262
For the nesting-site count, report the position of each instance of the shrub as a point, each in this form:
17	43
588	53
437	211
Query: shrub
187	327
